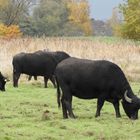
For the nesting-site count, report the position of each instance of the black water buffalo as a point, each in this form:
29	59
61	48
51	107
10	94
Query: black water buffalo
3	81
40	63
89	79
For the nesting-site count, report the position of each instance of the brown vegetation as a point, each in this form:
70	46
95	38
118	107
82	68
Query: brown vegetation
125	54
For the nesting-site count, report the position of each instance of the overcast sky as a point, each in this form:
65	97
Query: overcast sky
102	9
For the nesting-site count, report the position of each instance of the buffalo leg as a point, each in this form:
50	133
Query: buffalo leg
64	109
69	107
117	109
100	103
15	79
53	81
46	81
35	77
29	78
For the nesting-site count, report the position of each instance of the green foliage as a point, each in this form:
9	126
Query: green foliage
50	18
21	111
46	18
131	26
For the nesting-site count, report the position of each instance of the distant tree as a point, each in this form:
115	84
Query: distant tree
131	26
50	18
115	22
101	28
14	11
3	3
79	15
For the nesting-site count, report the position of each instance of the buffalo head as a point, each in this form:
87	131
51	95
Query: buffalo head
131	106
3	81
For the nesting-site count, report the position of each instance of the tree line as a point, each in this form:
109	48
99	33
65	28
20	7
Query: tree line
47	17
66	18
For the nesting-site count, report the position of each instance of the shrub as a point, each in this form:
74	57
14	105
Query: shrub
8	32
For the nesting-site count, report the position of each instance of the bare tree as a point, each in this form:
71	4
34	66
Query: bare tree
15	10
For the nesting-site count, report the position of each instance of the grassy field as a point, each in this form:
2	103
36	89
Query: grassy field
30	112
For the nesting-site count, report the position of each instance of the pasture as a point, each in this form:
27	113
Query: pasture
22	109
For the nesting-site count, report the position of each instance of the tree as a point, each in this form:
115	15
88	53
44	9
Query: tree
79	15
3	3
50	18
115	21
131	26
11	31
101	28
14	11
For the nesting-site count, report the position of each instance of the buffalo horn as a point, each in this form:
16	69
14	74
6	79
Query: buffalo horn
129	100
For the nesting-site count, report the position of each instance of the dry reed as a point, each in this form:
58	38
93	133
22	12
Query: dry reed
126	55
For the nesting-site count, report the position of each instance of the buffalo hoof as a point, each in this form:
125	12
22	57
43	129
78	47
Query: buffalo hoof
97	115
73	117
118	116
65	117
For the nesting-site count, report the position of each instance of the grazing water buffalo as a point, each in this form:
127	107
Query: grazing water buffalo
40	63
3	81
87	79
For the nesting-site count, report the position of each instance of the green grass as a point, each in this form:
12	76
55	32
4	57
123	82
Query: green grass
22	109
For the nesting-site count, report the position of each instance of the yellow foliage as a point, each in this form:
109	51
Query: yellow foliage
79	15
8	32
3	3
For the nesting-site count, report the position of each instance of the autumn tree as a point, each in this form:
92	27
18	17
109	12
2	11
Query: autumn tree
50	18
8	32
3	3
131	25
79	15
115	21
11	14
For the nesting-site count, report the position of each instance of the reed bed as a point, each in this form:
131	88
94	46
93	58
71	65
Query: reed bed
124	53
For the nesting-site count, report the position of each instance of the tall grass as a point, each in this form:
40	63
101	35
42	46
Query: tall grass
125	53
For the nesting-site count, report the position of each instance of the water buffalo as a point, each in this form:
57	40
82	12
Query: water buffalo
99	79
3	81
40	63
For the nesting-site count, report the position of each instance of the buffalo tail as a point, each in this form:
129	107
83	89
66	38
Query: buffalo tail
58	92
